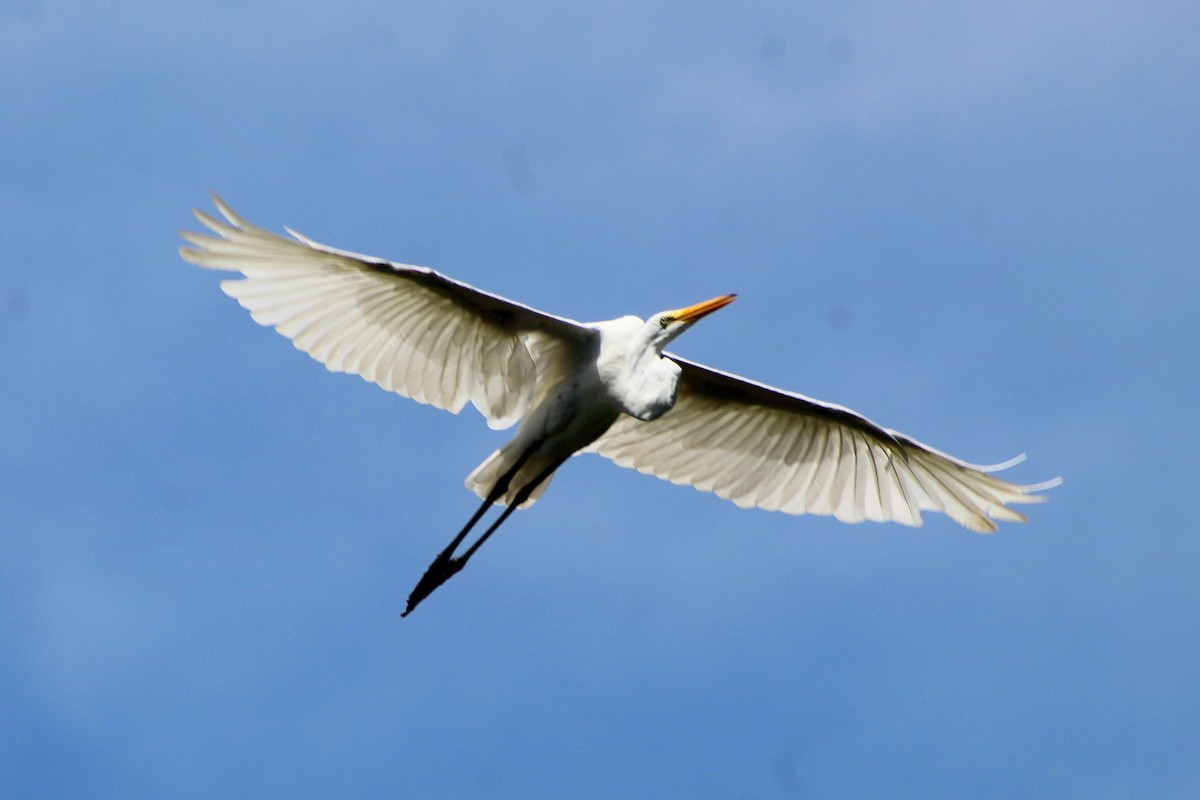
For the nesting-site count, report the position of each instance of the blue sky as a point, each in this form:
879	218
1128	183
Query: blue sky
976	224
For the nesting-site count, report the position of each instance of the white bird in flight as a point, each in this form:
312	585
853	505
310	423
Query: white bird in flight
603	387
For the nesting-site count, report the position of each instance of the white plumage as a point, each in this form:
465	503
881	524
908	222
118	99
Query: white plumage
601	387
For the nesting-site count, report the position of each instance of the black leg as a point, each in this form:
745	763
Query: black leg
445	565
521	497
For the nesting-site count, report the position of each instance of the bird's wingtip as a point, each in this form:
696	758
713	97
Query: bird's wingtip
1044	485
1003	465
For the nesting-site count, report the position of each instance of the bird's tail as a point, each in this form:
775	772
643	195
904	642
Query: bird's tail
483	479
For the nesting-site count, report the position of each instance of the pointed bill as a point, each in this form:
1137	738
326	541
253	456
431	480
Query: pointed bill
693	313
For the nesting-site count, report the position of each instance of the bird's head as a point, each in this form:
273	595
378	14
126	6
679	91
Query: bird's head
666	325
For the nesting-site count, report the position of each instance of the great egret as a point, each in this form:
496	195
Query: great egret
603	387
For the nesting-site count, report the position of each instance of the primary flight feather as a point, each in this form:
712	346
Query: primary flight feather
604	387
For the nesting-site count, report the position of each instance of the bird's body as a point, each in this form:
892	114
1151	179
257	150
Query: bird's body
574	413
618	370
605	387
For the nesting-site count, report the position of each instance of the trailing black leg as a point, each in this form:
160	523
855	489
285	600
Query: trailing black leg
445	564
522	495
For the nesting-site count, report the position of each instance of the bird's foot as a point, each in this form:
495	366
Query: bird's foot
443	568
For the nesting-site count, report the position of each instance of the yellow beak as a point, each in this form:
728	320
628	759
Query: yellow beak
693	313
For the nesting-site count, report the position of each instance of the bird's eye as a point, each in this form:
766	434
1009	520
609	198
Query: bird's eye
664	321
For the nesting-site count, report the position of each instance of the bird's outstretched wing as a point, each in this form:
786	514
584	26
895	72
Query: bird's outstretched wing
408	329
760	446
